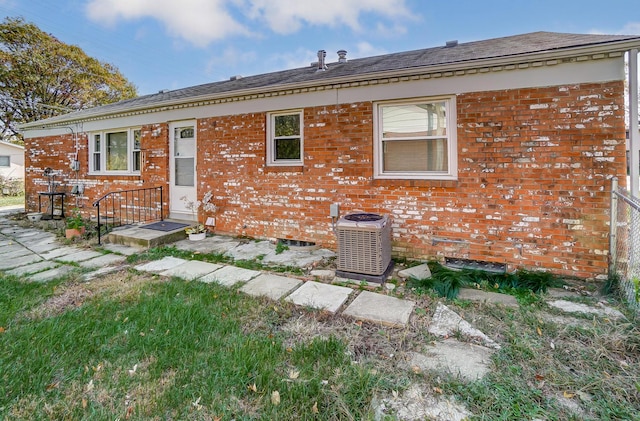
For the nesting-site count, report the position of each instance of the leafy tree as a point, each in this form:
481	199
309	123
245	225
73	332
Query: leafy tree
41	77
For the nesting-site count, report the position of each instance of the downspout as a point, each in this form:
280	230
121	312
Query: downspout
634	135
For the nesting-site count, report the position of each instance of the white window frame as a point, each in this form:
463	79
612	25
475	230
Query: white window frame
102	153
271	159
451	136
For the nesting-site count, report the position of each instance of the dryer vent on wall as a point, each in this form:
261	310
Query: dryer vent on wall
364	243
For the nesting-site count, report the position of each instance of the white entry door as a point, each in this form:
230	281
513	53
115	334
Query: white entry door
182	167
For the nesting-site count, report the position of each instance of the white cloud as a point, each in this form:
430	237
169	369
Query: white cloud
631	28
288	16
197	21
364	49
230	58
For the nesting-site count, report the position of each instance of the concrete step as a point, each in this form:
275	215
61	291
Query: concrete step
137	236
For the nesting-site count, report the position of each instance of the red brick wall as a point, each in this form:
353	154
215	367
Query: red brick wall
532	188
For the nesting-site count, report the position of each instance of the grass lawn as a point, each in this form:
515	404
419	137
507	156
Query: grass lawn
11	200
137	346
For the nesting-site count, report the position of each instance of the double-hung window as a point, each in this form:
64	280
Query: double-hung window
285	140
115	152
416	139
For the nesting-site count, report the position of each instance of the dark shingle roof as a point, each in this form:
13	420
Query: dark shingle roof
510	47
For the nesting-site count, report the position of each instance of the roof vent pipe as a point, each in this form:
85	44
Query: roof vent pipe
322	54
342	56
451	43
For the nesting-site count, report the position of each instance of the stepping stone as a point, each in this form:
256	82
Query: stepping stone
32	268
380	309
79	256
445	322
416	272
191	270
251	251
51	274
101	272
15	252
58	252
472	294
271	286
160	265
102	261
464	360
19	261
45	247
230	275
601	310
214	244
320	296
299	259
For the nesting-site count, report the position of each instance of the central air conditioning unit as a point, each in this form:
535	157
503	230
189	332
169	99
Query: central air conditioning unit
364	246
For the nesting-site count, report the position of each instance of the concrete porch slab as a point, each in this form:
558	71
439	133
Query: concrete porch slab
320	296
122	249
102	261
142	237
230	275
271	286
191	270
380	308
163	264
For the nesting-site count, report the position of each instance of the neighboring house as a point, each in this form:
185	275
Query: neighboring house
499	150
11	160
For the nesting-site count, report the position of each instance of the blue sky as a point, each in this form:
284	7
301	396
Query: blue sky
170	44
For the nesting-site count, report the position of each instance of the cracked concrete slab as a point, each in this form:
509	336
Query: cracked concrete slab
215	244
251	250
122	249
101	272
230	275
320	296
15	252
271	286
464	360
445	322
418	403
380	308
601	310
191	269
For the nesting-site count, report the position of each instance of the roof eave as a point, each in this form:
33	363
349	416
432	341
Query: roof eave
563	53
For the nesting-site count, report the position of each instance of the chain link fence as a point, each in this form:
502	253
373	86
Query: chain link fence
625	243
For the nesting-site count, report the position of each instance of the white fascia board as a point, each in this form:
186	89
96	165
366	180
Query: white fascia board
592	71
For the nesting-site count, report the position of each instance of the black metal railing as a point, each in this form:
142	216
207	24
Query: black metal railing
125	207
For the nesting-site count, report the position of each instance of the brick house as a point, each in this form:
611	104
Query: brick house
498	150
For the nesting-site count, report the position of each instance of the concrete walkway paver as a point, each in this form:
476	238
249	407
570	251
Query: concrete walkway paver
19	261
58	252
51	274
230	275
380	308
79	256
320	296
472	294
102	261
467	361
271	286
445	322
191	269
160	265
32	268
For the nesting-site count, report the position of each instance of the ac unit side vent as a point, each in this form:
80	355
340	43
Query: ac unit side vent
364	244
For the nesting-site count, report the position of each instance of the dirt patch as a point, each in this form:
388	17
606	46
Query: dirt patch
71	295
